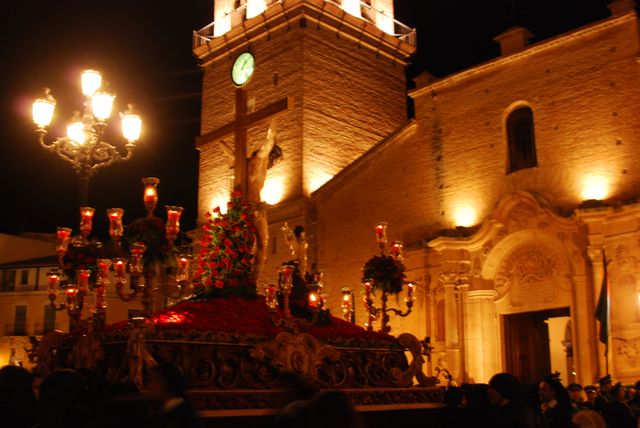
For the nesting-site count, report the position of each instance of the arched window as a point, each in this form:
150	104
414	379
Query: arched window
521	139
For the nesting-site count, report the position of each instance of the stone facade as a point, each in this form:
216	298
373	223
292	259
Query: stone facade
532	245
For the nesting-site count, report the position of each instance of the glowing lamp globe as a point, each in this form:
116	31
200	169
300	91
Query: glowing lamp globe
91	81
42	110
131	125
101	105
75	132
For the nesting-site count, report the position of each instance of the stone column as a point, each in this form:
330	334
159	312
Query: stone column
463	290
451	324
481	336
586	332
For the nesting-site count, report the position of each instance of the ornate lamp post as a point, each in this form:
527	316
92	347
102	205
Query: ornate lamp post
380	267
83	146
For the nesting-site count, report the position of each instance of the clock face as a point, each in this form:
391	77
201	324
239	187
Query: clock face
242	69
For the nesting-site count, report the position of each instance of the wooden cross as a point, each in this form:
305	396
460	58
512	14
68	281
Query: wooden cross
239	127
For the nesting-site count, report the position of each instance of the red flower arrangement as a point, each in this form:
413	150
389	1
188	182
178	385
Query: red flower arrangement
81	257
386	272
150	231
225	260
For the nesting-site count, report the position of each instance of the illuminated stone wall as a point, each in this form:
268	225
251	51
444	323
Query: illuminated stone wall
450	168
346	100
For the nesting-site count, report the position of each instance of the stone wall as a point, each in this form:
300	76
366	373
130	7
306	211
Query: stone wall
346	99
584	89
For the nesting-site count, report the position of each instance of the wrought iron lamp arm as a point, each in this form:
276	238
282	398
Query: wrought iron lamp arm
104	154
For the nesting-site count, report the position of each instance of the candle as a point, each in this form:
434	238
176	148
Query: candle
54	279
86	219
72	298
173	223
272	299
346	305
83	276
314	300
137	252
410	289
368	284
115	222
396	250
101	301
62	239
183	262
119	266
381	233
150	196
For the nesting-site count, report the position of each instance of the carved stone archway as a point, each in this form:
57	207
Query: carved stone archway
523	258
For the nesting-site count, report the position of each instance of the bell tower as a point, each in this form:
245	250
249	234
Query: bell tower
342	62
339	64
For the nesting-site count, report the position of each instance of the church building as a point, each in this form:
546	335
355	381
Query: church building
513	187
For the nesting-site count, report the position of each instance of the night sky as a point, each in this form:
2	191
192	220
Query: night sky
143	48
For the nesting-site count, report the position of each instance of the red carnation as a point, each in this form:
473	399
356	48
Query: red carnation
216	210
219	283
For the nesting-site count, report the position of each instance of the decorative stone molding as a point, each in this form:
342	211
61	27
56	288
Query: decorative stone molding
527	266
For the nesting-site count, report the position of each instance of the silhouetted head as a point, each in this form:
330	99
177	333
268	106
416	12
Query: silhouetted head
166	381
298	231
550	388
504	386
453	396
332	409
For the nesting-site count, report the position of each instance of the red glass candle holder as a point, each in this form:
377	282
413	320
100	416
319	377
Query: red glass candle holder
271	297
381	234
346	305
86	221
115	223
54	281
137	253
314	300
183	261
72	298
82	277
173	223
63	236
150	196
396	250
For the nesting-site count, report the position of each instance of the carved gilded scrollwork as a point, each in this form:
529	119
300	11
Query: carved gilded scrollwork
302	354
405	377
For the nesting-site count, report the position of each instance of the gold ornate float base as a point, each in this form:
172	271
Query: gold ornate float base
245	374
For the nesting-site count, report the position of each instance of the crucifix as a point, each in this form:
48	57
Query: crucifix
239	126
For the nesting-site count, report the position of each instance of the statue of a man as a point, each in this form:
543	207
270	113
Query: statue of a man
258	163
296	239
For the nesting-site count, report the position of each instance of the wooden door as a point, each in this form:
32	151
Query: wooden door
527	346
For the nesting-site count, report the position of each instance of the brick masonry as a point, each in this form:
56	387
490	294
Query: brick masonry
584	89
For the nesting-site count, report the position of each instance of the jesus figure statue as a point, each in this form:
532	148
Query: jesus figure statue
258	163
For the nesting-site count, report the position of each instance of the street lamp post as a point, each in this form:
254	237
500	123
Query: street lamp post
83	146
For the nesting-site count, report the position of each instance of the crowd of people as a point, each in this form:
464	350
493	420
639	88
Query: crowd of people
68	398
507	402
75	399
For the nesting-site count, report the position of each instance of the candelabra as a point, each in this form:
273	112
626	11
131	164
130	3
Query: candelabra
386	275
83	146
97	262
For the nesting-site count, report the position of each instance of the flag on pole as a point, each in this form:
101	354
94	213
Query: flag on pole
603	308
